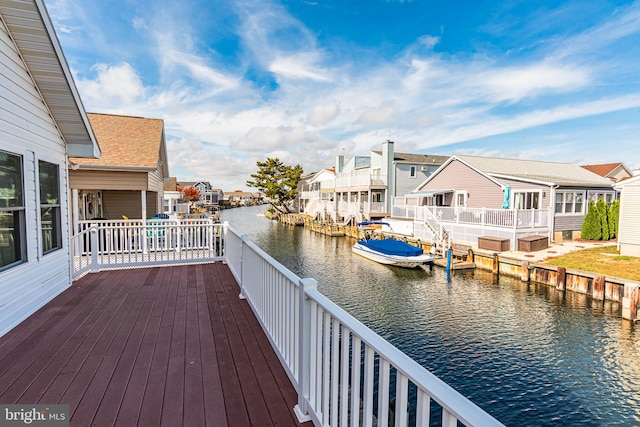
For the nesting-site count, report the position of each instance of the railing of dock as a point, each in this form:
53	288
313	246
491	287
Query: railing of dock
344	373
107	244
505	218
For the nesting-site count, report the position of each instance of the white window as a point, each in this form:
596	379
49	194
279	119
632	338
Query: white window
13	248
461	199
50	221
569	202
412	170
526	200
608	196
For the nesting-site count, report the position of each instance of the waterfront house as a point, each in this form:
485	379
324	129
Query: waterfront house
41	121
316	194
209	196
629	220
615	172
128	179
240	198
366	186
469	197
171	197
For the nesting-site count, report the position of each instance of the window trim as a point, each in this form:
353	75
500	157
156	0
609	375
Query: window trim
23	214
413	172
59	243
564	202
539	191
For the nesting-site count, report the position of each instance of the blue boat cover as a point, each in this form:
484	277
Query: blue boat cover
392	247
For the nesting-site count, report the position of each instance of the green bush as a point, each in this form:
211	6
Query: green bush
602	208
591	227
614	214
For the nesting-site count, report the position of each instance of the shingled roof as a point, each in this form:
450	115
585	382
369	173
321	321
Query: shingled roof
566	174
126	141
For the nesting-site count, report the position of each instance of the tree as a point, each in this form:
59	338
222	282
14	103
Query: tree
602	208
189	194
277	181
614	214
591	228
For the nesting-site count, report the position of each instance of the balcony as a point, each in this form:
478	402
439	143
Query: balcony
178	346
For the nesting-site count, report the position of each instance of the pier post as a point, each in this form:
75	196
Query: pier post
496	264
524	273
630	301
561	280
598	288
449	260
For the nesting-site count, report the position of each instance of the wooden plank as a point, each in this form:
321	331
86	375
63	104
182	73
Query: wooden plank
139	378
193	386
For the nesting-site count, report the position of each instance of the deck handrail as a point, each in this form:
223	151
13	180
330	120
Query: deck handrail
102	244
324	350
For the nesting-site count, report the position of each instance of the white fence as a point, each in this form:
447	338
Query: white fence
508	218
342	370
132	243
359	178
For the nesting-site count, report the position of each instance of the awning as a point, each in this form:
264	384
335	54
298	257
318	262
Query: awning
429	193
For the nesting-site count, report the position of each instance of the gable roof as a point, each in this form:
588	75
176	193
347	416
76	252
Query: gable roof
127	142
564	174
607	170
32	31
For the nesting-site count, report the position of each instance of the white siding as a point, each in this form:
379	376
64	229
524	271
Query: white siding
629	226
27	129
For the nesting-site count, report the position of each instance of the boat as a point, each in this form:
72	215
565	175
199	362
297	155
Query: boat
390	251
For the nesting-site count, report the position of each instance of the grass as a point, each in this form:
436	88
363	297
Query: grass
605	260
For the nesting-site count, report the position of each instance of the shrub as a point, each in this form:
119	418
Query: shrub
591	228
602	208
614	214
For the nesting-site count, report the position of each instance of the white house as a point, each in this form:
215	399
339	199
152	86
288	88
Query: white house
42	120
629	221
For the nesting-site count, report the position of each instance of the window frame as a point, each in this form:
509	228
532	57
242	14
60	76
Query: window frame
56	208
413	171
575	196
21	250
528	194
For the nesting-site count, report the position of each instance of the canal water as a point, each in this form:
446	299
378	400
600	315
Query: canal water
526	353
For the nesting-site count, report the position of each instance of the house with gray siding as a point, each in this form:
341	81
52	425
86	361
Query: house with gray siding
629	220
42	120
471	196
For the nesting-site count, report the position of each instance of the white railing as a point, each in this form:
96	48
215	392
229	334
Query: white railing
347	209
359	178
340	368
508	218
374	207
131	243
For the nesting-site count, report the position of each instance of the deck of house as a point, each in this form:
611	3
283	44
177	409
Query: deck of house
150	346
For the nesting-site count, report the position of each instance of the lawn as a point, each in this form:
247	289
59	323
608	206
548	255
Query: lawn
605	260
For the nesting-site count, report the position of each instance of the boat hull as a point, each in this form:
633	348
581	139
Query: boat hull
395	260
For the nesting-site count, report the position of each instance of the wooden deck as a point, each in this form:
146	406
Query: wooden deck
156	346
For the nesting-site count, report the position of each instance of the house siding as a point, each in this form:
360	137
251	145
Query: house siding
457	176
27	129
108	180
629	228
128	203
405	183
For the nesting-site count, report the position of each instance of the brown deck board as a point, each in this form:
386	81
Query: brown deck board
151	346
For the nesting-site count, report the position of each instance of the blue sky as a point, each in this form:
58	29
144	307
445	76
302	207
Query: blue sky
239	81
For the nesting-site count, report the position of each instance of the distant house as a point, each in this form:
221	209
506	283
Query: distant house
366	186
316	194
629	220
128	179
208	196
240	198
470	196
171	197
41	121
614	172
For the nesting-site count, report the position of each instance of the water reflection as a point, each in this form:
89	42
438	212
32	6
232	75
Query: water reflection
526	353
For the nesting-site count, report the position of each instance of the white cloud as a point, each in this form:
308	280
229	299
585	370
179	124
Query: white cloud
113	84
322	114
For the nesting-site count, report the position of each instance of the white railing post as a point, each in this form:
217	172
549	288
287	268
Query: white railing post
95	268
304	343
243	264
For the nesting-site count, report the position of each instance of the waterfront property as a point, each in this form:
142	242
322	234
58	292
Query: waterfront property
125	332
41	121
470	197
128	178
363	187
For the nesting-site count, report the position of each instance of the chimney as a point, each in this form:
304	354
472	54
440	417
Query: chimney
339	163
388	171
